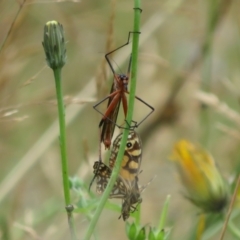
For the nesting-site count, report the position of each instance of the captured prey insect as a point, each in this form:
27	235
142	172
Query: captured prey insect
130	163
132	157
129	192
117	95
126	186
133	197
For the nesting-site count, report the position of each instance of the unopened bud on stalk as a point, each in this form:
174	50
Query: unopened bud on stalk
54	45
135	231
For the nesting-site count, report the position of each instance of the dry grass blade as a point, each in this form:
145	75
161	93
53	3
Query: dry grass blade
30	80
17	119
212	100
230	131
54	1
11	28
101	76
28	230
68	100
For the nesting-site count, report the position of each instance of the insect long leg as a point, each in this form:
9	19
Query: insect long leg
136	124
129	66
124	104
148	105
130	127
124	99
106	56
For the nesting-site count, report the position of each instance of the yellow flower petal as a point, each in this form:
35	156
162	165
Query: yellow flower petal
199	175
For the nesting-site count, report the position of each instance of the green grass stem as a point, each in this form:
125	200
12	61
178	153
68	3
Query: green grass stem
117	166
63	149
62	137
163	216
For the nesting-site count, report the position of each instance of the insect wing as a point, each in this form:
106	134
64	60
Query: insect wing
121	189
114	151
131	198
127	180
102	173
132	156
108	124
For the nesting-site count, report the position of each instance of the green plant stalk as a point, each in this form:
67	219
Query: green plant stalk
117	165
62	141
163	216
62	137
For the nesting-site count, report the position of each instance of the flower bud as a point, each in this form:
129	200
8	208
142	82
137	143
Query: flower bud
135	231
156	234
54	45
204	184
131	230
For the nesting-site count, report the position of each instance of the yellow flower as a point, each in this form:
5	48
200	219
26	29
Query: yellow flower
205	186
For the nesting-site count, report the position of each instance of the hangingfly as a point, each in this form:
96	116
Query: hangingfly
117	95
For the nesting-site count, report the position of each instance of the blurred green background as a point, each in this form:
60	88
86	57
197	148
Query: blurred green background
186	47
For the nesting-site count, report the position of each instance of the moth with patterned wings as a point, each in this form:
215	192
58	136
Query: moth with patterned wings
126	186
